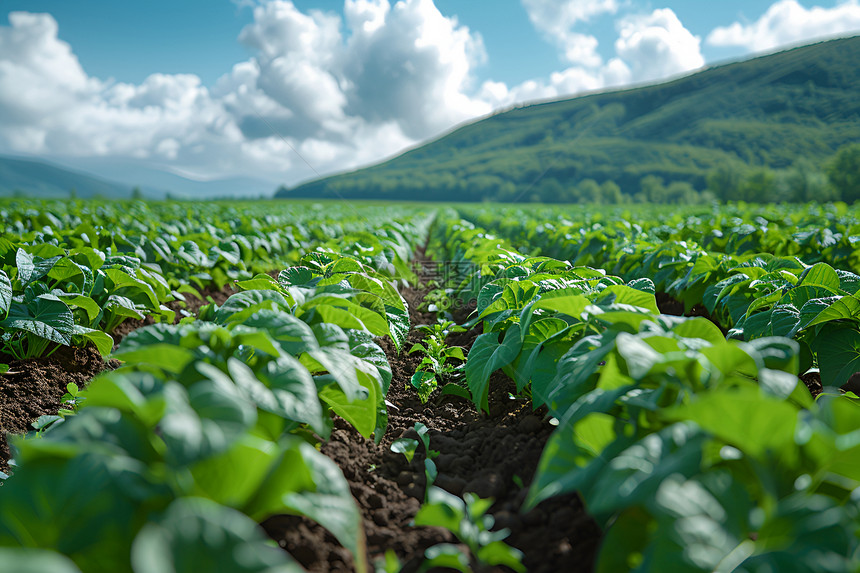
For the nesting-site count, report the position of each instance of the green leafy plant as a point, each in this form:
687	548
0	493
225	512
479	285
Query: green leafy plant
468	520
436	363
409	446
389	563
71	400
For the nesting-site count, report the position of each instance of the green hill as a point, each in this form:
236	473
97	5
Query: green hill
43	180
768	111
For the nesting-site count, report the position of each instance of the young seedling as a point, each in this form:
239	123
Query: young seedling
388	564
71	399
467	519
436	364
408	447
437	300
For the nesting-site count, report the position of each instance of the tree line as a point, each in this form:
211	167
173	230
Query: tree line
837	180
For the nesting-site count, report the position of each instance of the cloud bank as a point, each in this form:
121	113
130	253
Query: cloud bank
787	22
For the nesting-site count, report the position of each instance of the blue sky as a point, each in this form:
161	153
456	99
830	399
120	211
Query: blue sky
130	40
211	88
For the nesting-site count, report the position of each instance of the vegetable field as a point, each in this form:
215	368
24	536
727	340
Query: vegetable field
270	386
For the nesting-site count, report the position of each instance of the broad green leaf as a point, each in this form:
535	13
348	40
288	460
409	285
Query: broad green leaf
541	368
297	276
639	356
259	282
125	284
294	392
633	476
702	525
777	353
101	340
421	379
48	319
486	356
205	419
644	284
453	389
515	296
625	541
802	533
785	320
122	306
371	353
360	411
699	327
79	301
216	478
836	448
168	356
31	560
190	252
627	295
573	458
351	315
848	281
442	509
744	418
405	446
500	553
820	274
306	482
284	388
69	497
447	556
292	334
241	305
31	268
197	534
5	294
838	350
137	393
570	302
846	307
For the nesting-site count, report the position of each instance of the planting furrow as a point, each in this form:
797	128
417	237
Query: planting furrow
494	456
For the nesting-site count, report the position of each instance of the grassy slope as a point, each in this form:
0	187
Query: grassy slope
766	111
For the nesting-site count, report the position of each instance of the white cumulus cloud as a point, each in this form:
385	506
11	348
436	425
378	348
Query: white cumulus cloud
657	46
649	47
339	90
556	20
788	22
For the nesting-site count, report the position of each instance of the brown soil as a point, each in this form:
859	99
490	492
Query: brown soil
667	304
37	385
813	382
485	454
34	387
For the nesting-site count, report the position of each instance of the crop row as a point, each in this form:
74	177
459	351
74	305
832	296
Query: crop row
70	275
814	233
693	452
211	424
749	295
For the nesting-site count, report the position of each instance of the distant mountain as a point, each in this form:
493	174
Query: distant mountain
42	180
768	111
101	176
157	182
